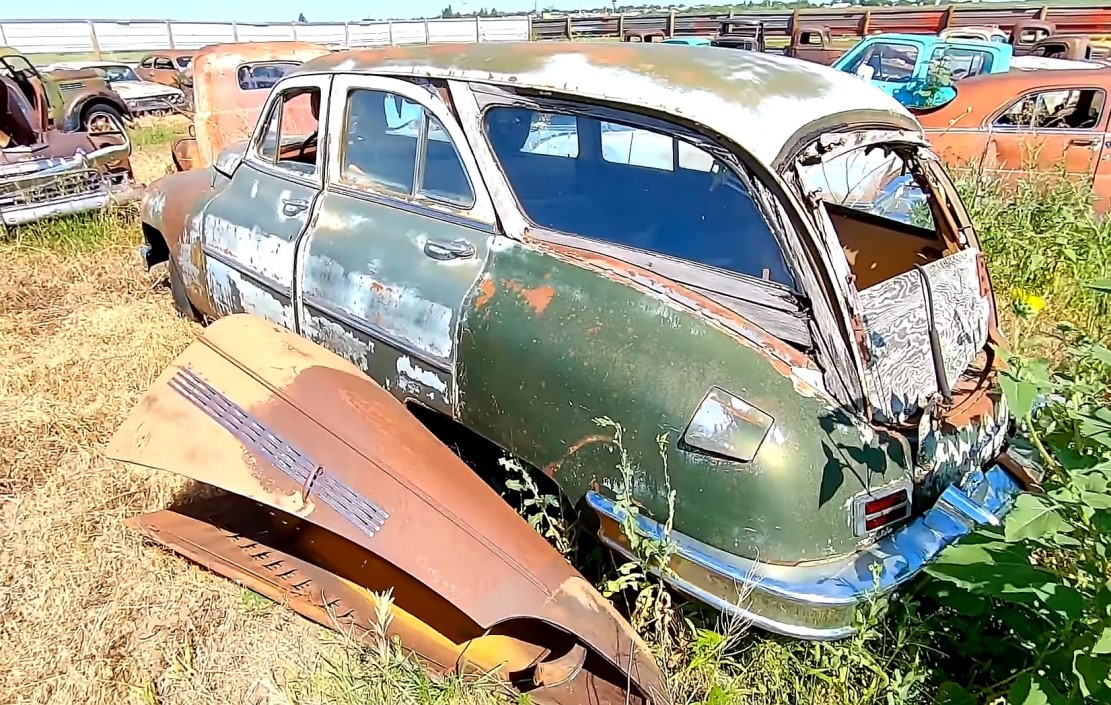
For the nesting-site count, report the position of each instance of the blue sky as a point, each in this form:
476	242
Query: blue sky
268	10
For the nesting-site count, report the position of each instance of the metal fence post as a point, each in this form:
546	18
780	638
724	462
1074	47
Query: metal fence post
1043	12
389	30
570	30
293	27
235	30
346	35
94	40
427	36
947	18
621	25
671	23
531	37
3	39
477	28
170	33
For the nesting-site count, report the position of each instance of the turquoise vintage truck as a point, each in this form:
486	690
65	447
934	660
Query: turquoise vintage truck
917	69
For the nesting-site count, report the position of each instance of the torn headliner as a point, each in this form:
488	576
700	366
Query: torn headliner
758	101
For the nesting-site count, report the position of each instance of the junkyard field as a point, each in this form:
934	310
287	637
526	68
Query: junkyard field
90	614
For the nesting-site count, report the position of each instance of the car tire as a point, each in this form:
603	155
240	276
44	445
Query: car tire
96	117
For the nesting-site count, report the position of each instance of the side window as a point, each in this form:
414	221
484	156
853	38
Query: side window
146	63
962	63
395	145
645	190
161	63
1075	109
263	75
289	140
887	62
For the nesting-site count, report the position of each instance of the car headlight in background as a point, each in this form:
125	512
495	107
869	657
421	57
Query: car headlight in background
726	426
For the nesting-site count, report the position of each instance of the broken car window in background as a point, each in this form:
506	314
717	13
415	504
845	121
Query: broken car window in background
873	181
263	75
1056	110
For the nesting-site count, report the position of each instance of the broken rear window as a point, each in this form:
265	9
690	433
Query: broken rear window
619	183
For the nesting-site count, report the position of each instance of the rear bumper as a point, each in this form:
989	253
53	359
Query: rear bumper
818	600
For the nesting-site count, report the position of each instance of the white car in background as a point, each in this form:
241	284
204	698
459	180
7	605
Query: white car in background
142	97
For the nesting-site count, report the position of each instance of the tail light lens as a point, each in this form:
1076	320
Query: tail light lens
880	508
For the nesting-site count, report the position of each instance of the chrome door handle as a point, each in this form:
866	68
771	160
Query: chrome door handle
294	206
453	249
1082	143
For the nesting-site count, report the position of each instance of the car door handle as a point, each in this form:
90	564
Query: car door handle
294	206
1084	142
453	249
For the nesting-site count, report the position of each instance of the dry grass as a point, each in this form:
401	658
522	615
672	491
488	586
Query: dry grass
88	612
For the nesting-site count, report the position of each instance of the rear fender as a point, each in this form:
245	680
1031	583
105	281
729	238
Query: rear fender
350	485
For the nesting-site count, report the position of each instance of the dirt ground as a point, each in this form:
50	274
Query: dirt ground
89	612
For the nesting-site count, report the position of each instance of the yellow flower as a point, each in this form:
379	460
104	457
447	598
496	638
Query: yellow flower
1026	304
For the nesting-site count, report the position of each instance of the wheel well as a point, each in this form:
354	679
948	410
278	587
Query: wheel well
159	251
98	102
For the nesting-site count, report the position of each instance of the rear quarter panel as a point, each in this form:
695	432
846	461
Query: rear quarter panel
549	345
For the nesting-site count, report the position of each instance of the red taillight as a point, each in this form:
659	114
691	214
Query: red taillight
873	511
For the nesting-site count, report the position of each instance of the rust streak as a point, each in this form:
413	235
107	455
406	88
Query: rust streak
537	299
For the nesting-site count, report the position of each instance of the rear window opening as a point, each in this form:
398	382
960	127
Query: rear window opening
883	217
923	300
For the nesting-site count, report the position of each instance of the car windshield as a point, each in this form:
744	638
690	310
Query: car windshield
119	73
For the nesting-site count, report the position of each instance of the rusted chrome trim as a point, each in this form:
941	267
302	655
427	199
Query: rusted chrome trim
372	331
817	600
261	279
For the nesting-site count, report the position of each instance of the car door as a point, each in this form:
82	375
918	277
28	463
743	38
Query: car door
145	70
402	233
164	71
249	231
1049	130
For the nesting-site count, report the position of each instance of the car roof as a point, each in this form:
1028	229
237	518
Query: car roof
759	101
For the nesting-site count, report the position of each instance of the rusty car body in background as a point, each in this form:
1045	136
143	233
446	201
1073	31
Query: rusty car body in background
45	172
72	101
741	34
1070	48
521	239
141	97
170	68
644	35
1010	125
813	43
1027	33
231	84
338	495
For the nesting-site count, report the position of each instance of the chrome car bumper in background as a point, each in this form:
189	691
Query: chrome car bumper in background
47	202
818	600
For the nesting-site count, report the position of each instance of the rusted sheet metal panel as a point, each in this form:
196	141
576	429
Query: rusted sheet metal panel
265	414
841	21
225	112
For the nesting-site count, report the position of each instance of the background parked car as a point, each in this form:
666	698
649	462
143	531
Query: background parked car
142	97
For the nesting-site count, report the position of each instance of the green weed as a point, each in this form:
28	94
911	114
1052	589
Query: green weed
83	232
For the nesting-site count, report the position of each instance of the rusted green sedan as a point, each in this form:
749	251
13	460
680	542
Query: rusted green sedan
720	247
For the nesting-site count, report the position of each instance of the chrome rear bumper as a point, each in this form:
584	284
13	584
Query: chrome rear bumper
818	600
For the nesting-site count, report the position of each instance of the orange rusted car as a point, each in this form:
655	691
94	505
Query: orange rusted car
1014	124
230	85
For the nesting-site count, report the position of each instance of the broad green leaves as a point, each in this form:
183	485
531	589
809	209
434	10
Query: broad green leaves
1032	518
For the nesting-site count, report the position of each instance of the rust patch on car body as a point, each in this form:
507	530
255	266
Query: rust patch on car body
537	298
348	491
486	292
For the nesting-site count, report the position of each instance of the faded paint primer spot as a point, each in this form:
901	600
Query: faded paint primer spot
406	368
399	311
254	189
266	254
342	342
154	201
537	299
233	292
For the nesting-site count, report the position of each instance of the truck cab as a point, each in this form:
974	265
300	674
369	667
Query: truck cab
917	70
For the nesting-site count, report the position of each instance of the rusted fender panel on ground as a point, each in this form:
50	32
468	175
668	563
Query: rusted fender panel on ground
262	413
